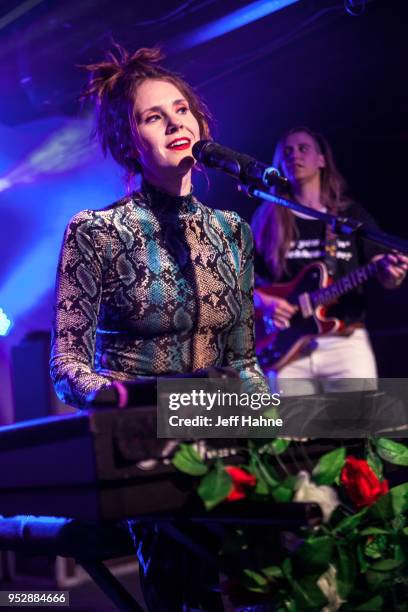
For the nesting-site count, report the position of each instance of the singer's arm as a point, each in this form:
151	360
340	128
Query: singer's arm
78	296
240	346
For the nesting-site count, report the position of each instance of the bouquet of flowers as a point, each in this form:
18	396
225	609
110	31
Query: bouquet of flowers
355	560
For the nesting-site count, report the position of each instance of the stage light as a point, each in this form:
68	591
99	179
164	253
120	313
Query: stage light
64	151
228	23
5	183
67	148
5	323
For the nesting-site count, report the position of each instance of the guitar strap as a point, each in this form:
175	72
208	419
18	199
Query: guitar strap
330	250
330	259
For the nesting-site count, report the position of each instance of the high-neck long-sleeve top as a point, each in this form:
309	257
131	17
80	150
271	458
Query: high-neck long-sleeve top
152	285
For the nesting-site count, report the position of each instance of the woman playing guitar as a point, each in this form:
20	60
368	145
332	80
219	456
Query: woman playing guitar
309	332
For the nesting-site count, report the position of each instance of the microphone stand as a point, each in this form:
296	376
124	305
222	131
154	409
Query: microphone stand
338	224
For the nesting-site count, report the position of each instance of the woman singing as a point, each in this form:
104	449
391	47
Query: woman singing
157	283
287	241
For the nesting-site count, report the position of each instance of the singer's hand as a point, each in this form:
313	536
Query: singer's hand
393	269
275	307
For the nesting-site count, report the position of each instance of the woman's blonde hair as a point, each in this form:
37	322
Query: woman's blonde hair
274	226
113	87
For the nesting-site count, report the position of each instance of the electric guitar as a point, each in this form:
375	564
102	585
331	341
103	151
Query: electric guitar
311	291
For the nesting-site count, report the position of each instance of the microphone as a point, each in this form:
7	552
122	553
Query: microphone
243	167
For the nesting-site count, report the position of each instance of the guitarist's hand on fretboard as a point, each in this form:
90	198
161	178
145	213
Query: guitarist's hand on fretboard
392	269
277	309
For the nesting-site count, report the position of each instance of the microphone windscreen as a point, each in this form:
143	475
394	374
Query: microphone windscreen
198	148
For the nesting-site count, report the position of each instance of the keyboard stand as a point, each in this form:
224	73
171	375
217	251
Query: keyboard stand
86	542
90	542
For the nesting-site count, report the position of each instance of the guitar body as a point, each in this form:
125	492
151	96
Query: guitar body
277	348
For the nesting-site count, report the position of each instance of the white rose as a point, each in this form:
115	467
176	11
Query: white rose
327	583
307	491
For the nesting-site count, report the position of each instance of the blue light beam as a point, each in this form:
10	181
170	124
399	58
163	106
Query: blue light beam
67	148
228	23
32	278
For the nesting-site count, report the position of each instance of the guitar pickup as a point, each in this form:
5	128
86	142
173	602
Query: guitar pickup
305	305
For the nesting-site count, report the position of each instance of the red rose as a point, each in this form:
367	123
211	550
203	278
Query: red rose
361	483
240	479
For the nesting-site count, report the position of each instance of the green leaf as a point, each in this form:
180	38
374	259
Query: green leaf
349	523
307	593
395	502
374	531
316	553
361	559
347	571
254	581
284	492
191	452
381	572
393	452
187	460
399	553
399	497
215	487
277	446
382	509
399	521
272	571
263	473
375	464
386	565
336	517
329	466
375	604
255	577
261	487
287	567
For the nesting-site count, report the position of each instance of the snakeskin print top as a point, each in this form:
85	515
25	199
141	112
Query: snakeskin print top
149	286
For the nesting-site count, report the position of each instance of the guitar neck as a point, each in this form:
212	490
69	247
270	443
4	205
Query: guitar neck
344	285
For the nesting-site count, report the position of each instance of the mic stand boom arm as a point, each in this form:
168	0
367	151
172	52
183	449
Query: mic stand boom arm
338	224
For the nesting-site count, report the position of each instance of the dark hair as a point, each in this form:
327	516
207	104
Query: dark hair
113	86
274	226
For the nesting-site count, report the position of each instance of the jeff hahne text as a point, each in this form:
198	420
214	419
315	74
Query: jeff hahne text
211	401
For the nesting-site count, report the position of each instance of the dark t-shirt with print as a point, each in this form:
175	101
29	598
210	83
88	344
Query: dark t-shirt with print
351	251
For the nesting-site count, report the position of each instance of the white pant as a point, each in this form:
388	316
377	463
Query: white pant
339	363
